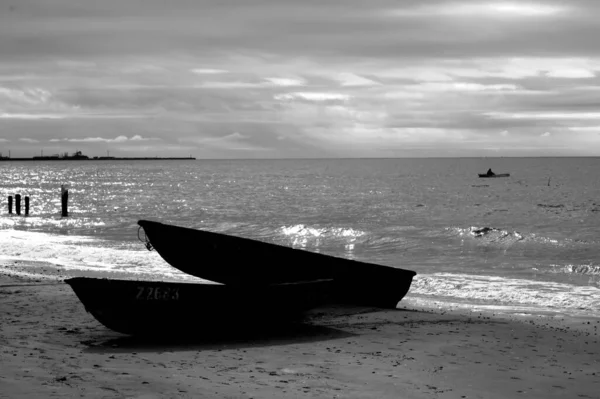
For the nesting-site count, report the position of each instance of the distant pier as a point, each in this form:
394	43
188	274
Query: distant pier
78	156
101	159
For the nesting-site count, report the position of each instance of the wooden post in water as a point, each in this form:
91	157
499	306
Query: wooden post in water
26	205
18	204
64	199
10	204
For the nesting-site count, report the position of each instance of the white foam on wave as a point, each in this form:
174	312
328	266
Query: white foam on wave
500	291
301	230
503	236
302	236
514	310
589	269
488	233
81	253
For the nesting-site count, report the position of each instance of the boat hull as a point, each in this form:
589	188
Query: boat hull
483	175
164	308
241	261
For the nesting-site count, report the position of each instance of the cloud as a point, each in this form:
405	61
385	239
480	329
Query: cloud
545	134
118	139
351	80
231	142
254	82
286	81
331	78
546	115
28	140
464	86
585	128
30	116
571	73
501	9
230	85
32	103
33	96
513	68
313	96
140	138
208	71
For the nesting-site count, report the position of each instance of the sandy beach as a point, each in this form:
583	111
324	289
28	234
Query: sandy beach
50	347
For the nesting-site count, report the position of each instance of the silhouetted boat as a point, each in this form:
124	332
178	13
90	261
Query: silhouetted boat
163	308
494	175
241	261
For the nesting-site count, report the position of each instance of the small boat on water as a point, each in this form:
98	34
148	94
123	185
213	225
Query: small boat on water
240	262
485	175
163	308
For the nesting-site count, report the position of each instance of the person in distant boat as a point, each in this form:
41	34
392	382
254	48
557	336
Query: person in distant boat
490	173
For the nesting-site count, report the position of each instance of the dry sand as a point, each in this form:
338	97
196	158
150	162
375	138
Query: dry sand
50	347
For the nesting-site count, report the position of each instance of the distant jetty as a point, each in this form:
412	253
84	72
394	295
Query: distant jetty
78	156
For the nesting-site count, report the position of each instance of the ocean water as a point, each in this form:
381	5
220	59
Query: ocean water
528	243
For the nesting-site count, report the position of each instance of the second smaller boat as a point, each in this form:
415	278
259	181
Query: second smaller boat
166	308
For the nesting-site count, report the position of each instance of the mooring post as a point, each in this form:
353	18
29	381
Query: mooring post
26	205
18	204
64	199
10	204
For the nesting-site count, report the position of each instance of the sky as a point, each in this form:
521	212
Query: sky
300	79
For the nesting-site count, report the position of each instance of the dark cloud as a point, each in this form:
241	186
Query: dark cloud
274	78
352	28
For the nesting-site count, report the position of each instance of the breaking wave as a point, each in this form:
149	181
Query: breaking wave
499	235
80	253
306	237
301	230
586	270
489	234
500	291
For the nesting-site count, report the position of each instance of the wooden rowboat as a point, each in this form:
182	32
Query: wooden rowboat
164	308
238	261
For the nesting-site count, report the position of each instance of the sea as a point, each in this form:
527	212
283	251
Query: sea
524	244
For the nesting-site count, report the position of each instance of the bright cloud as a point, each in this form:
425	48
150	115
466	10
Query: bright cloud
350	79
484	9
286	81
465	86
571	73
6	115
545	115
585	129
313	96
34	96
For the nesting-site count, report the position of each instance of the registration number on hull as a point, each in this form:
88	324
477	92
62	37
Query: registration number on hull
147	293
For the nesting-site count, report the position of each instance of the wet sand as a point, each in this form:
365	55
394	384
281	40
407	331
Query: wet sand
50	347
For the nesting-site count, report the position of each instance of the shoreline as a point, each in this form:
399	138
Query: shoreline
52	348
44	271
